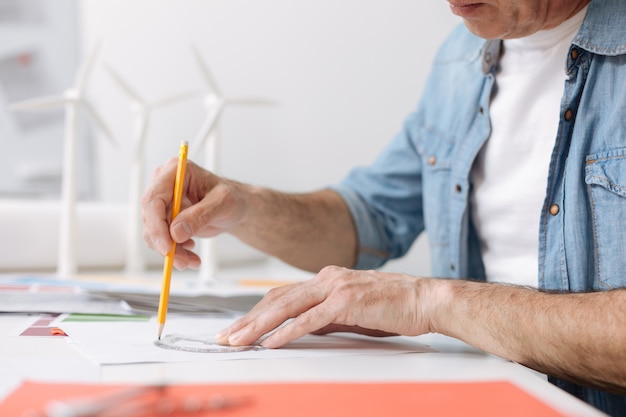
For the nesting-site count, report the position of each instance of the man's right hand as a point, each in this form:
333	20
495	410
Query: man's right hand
211	205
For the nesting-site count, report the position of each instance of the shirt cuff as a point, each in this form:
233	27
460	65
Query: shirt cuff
372	252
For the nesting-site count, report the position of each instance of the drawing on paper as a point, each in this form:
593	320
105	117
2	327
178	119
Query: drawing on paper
199	344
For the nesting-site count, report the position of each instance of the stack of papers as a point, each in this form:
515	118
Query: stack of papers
204	302
30	294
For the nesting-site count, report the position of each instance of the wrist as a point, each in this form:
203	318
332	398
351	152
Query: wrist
436	303
251	203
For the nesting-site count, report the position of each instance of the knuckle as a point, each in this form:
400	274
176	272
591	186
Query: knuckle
331	272
305	319
273	293
252	326
280	303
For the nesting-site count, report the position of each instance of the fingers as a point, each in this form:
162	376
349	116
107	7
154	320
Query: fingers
248	329
155	204
185	258
210	206
278	306
337	299
307	303
317	317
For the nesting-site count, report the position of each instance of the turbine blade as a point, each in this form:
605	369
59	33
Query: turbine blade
248	101
206	72
207	128
124	85
40	103
98	120
173	98
86	68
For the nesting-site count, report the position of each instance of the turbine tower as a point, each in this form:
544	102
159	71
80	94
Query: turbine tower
142	111
209	138
72	99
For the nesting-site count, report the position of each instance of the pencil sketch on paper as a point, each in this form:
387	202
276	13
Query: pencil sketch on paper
199	344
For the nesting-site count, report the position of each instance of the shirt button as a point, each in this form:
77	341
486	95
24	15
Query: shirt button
432	160
554	209
458	188
452	267
574	54
568	114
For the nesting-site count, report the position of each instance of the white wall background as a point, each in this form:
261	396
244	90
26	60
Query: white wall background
344	72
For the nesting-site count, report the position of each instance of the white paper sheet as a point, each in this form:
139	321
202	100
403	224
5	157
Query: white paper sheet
110	343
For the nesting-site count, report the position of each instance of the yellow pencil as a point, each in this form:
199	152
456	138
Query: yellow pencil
169	258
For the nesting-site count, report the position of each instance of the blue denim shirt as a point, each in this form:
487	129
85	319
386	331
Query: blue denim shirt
422	182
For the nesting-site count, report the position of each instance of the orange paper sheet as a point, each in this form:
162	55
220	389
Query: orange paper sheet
468	399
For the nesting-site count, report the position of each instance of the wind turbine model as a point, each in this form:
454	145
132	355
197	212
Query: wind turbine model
73	99
209	136
142	110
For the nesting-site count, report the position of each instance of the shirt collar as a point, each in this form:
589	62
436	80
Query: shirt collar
603	31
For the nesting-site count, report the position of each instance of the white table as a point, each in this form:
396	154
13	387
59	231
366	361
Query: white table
51	359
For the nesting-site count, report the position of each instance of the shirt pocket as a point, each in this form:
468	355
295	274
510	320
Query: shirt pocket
605	176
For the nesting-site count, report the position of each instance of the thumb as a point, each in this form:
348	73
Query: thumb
217	212
194	221
180	229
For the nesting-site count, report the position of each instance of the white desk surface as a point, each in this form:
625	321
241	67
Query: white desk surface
52	359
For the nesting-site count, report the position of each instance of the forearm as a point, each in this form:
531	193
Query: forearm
309	231
574	336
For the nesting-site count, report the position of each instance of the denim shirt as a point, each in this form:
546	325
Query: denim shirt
422	182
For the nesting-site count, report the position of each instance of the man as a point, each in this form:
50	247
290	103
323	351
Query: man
514	163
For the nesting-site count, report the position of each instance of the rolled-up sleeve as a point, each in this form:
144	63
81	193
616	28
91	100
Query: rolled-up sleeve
371	237
385	200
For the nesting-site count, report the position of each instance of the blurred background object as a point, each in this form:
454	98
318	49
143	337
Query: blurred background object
344	75
39	54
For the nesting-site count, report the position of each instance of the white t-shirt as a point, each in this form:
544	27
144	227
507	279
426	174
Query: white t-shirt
510	173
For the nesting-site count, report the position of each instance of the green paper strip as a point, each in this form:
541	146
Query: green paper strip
104	317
